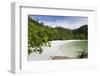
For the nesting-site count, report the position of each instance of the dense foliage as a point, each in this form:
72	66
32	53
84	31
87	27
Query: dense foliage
39	34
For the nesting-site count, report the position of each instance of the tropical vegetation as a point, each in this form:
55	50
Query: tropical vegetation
40	35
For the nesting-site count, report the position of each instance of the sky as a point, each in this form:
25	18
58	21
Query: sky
70	22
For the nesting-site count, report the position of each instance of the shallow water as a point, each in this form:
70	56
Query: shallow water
73	48
61	48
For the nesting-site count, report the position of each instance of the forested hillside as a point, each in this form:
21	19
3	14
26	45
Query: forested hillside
39	34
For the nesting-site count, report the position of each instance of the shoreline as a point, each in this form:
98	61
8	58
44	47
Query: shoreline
54	52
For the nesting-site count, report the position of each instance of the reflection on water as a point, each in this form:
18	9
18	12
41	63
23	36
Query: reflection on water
75	48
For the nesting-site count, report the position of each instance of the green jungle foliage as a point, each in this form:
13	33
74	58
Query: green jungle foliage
39	35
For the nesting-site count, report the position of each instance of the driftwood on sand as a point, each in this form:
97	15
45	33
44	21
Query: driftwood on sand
60	57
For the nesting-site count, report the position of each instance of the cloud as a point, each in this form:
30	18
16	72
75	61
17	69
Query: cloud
70	22
67	23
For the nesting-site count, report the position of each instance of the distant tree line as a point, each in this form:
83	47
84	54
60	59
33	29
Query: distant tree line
39	34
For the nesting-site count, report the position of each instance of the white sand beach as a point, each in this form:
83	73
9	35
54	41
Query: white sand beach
56	49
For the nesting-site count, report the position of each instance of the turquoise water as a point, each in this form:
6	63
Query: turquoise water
74	48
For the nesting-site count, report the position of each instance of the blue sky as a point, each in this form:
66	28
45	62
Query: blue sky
70	22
